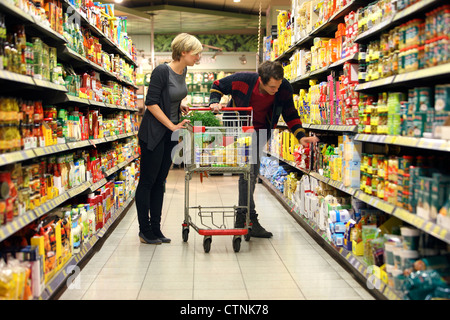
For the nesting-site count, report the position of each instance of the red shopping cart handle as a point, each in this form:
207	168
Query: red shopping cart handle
237	109
223	109
222	232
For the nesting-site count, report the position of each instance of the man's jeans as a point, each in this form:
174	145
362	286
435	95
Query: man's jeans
243	183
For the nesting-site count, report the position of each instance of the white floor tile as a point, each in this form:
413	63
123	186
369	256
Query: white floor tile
289	266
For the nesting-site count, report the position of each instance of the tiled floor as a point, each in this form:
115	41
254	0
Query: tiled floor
291	265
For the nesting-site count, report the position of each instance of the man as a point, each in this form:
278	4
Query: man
270	95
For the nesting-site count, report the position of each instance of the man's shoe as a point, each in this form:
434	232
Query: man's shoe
240	220
257	231
149	238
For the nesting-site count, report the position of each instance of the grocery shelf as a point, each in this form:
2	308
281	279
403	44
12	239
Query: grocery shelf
422	143
325	29
375	84
16	12
414	9
421	223
336	184
366	271
291	163
323	127
65	98
374	31
396	19
17	156
357	265
21	221
437	72
341	62
428	74
331	127
322	72
430	227
67	54
98	33
38	84
61	277
34	25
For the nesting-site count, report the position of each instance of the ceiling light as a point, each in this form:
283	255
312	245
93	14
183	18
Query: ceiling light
236	0
118	1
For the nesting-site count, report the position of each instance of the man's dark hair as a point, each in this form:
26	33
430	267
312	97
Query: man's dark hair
270	69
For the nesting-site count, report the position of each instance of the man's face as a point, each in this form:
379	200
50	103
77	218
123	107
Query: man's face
270	87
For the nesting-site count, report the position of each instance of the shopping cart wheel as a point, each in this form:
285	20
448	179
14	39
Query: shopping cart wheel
207	244
185	234
237	243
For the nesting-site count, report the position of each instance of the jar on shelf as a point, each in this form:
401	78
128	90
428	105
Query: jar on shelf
375	182
380	188
415	58
401	61
368	186
441	50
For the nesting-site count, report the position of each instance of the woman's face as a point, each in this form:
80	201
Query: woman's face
190	58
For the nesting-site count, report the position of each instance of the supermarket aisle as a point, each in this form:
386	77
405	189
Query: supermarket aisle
288	266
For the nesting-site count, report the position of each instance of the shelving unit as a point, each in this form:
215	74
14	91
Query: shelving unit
325	29
348	259
17	85
60	278
419	145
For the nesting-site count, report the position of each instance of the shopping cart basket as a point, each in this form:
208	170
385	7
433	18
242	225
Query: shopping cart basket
225	149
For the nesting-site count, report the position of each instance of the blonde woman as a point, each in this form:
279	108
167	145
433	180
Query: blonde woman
166	90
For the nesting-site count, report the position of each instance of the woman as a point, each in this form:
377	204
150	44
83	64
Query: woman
166	90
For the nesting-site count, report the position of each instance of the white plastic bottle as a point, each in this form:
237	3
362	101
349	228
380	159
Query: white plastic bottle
76	175
76	234
71	173
82	171
91	220
84	223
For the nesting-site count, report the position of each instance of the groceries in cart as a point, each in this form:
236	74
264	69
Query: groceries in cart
223	148
222	141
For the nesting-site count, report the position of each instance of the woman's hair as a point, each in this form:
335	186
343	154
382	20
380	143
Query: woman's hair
270	69
185	43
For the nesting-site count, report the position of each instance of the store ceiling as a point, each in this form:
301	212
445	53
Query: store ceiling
194	16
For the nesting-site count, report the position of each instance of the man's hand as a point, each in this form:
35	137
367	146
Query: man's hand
180	125
305	141
215	107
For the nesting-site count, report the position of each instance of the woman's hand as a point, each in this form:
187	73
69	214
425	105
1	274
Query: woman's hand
184	109
305	141
180	125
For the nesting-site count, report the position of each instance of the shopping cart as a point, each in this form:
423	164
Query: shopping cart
225	149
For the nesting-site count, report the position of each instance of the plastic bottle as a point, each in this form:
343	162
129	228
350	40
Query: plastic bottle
82	170
84	222
77	178
76	234
93	208
71	172
90	220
